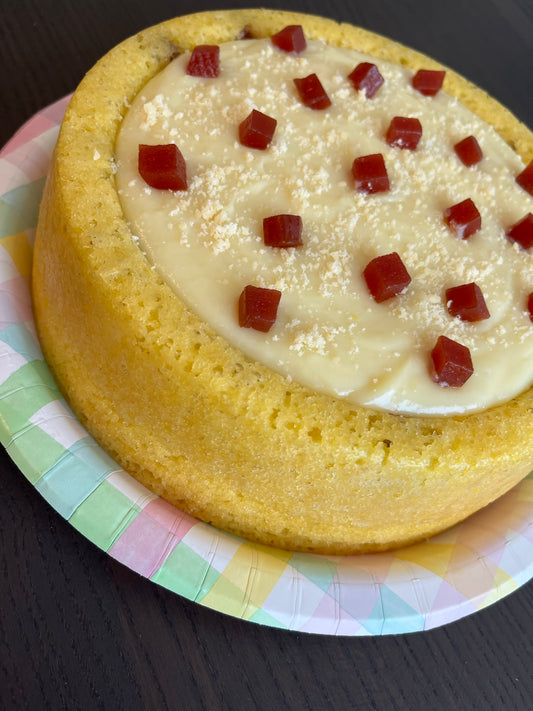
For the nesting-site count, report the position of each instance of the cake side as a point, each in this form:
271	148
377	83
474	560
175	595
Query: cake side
224	438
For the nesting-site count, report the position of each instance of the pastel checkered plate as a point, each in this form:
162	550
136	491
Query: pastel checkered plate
419	587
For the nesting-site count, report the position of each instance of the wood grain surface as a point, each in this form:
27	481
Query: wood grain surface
80	631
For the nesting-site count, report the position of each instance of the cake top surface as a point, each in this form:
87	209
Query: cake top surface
331	331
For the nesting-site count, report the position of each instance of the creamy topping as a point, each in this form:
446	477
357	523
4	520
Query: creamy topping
330	334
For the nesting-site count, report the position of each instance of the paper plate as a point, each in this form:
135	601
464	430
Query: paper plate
416	588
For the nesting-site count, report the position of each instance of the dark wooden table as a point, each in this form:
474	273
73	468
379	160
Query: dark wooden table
78	630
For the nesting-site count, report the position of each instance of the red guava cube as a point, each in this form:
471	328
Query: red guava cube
204	61
257	130
464	218
370	174
522	231
467	302
366	77
452	363
290	39
404	132
163	167
246	33
386	276
312	93
469	151
525	179
282	231
258	308
428	81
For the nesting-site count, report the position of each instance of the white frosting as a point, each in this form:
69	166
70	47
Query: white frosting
330	334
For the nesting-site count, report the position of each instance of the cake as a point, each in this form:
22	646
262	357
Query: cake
196	416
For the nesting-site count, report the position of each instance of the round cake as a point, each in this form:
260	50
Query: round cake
201	419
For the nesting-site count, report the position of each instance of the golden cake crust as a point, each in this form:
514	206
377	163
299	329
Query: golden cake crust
221	437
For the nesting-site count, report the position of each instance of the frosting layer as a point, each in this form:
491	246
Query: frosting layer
330	334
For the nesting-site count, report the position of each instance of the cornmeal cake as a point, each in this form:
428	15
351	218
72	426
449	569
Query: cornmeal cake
283	274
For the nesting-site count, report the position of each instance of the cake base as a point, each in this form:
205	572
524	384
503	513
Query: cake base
219	436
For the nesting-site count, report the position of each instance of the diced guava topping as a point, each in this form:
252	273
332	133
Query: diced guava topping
522	231
366	77
386	276
257	130
204	61
290	39
429	81
452	363
464	218
370	174
404	132
258	308
163	167
525	178
312	93
469	151
246	33
467	302
282	231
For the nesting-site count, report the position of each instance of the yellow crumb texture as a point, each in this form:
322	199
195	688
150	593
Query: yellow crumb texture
222	437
